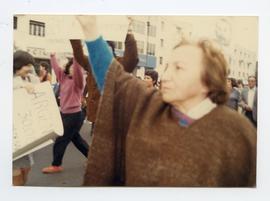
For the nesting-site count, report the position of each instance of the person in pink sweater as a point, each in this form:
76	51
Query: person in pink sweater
71	87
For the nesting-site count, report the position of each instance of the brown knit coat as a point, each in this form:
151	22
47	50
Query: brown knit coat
137	142
129	61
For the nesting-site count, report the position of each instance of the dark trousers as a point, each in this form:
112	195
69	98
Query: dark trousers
249	115
72	124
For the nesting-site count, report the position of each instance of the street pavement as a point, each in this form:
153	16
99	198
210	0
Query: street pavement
74	164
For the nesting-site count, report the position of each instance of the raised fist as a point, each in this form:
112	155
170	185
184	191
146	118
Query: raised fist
89	25
86	20
52	54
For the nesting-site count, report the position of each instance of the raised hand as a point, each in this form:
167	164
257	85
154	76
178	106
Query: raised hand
130	24
29	88
130	19
52	54
89	26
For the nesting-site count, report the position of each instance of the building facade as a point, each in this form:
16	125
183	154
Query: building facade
155	35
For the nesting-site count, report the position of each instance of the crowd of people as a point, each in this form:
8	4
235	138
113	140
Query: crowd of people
190	126
243	98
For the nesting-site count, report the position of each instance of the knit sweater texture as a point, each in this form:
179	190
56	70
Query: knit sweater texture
129	61
138	142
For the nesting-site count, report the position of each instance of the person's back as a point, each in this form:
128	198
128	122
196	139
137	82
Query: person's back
234	99
71	86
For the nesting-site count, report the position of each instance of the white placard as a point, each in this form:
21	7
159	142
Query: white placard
36	119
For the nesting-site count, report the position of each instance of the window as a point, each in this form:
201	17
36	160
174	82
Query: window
152	31
230	60
15	21
240	64
160	60
139	27
179	30
162	26
161	42
151	49
140	46
37	28
118	45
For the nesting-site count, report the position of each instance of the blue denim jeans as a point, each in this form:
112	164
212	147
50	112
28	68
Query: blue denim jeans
72	124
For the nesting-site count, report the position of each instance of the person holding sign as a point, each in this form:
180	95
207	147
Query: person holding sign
71	87
23	64
180	135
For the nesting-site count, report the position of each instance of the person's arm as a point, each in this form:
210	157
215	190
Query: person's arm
78	62
238	99
78	53
34	79
99	54
19	84
57	69
49	77
244	102
130	58
77	74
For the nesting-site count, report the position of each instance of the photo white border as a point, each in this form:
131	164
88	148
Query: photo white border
259	8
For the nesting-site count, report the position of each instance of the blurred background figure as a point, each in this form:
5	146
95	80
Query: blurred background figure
234	94
44	72
249	100
240	85
71	89
151	78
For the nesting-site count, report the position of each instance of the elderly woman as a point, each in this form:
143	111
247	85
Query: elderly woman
182	135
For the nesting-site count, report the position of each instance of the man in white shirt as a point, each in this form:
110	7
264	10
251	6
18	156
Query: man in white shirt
249	100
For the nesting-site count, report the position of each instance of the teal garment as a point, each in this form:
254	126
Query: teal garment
100	58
